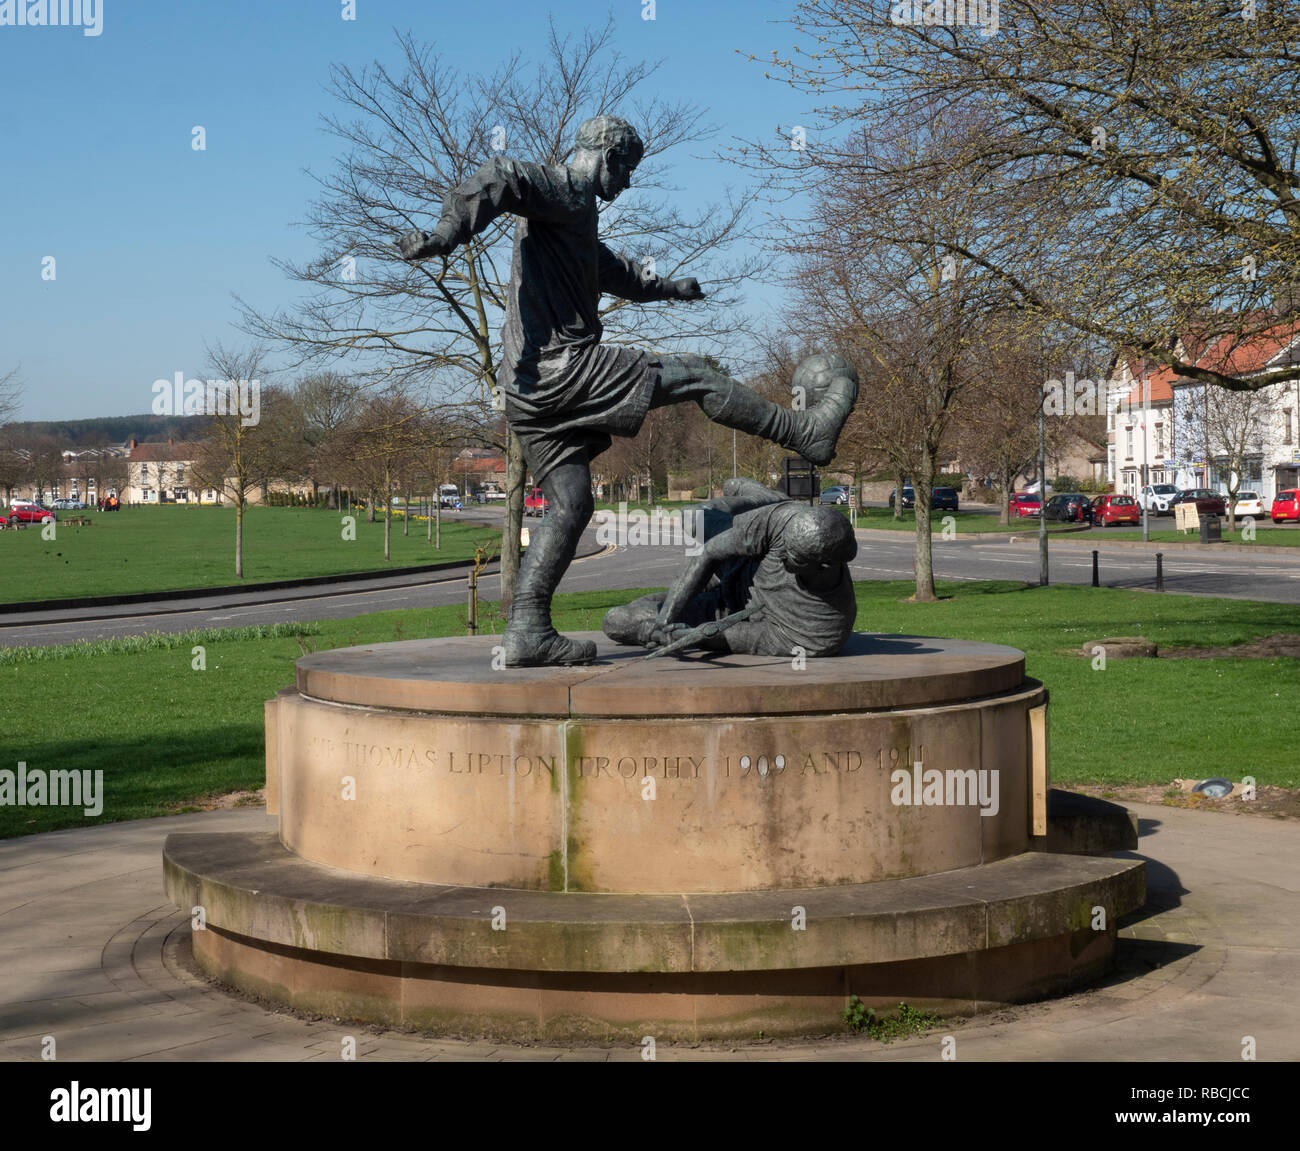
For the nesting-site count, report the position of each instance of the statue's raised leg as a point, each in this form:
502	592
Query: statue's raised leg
829	390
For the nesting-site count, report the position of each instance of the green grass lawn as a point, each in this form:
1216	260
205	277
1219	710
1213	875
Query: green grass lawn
165	734
167	548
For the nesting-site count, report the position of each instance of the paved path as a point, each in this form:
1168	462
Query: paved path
92	953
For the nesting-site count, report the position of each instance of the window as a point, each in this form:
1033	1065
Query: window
1287	431
1161	453
1128	455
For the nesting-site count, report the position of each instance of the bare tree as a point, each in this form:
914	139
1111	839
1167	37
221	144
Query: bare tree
1234	424
327	401
15	468
10	396
875	275
1159	140
239	456
411	138
45	467
383	442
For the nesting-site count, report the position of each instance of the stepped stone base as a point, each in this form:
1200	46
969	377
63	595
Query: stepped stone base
679	848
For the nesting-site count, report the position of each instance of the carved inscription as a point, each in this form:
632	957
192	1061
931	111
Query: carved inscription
847	762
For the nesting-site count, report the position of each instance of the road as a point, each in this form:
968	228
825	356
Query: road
881	555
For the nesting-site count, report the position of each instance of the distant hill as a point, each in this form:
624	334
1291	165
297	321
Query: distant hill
103	430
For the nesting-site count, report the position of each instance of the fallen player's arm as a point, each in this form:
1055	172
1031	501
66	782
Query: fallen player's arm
623	277
501	186
696	574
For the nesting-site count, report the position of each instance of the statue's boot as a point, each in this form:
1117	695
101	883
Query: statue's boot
540	645
812	433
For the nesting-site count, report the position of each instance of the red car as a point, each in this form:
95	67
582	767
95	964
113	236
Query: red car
1108	510
1286	506
31	514
1023	504
535	503
1208	503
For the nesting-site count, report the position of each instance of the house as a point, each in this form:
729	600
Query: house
476	467
1251	433
1190	434
1139	426
163	473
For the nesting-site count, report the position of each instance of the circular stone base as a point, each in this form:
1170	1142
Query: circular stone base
428	761
677	847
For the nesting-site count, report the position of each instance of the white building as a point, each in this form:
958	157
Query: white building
1167	424
1139	427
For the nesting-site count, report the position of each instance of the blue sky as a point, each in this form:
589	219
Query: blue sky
151	238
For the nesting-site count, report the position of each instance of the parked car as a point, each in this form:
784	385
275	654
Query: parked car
1033	487
1158	499
835	495
909	497
536	503
1286	506
1249	504
1107	510
1069	507
31	514
1021	504
1208	503
943	500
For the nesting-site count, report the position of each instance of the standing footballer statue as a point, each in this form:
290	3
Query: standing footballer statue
566	393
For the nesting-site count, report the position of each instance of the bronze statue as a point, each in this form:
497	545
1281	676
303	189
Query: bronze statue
565	393
782	583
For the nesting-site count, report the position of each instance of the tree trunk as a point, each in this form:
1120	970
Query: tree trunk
406	514
239	537
515	475
898	495
437	529
388	507
922	488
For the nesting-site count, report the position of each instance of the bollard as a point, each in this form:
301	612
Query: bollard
1160	571
1095	581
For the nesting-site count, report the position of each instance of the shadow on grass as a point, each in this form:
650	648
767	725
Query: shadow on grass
144	776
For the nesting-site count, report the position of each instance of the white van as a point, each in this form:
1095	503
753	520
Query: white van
448	495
